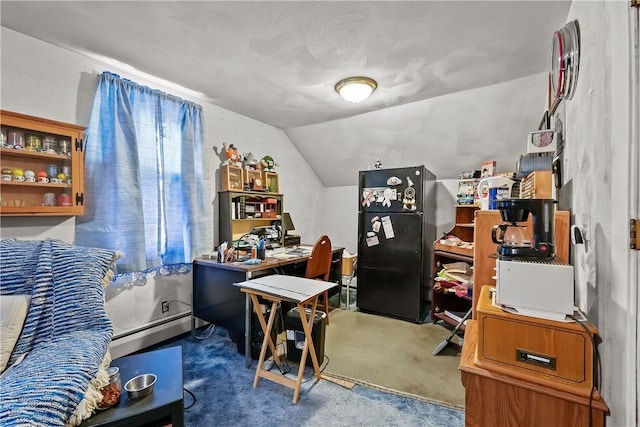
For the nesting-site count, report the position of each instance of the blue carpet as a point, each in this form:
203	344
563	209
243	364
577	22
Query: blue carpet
215	373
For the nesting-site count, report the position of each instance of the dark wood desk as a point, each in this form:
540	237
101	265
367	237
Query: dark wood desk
166	401
215	299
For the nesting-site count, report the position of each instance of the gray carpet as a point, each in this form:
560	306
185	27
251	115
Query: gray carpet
394	355
216	374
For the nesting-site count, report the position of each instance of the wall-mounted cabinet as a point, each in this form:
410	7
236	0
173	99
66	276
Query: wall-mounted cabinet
42	164
241	211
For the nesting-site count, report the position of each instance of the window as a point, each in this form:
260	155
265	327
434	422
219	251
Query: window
145	191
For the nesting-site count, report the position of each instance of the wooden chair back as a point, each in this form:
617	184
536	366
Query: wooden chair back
319	263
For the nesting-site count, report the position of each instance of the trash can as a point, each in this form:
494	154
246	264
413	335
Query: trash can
295	335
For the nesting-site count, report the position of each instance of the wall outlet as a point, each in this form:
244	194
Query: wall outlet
165	306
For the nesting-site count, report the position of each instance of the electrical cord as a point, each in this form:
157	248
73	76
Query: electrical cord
206	334
193	396
322	368
596	363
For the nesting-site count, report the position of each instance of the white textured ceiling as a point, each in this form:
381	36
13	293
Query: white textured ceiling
278	62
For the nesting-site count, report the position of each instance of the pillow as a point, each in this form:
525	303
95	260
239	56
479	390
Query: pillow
13	312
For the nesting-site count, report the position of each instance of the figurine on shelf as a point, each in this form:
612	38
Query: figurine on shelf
250	162
378	164
268	163
231	155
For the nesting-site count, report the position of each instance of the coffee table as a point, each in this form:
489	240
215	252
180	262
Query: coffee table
166	401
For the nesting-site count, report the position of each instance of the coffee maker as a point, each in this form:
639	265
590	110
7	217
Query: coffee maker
511	240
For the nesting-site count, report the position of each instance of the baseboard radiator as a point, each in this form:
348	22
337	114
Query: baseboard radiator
135	340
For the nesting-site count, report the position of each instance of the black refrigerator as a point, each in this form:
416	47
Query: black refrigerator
396	231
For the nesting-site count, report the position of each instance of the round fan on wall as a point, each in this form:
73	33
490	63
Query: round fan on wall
565	61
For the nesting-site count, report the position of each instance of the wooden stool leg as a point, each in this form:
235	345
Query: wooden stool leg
266	329
308	347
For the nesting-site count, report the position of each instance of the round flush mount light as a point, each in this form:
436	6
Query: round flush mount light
356	89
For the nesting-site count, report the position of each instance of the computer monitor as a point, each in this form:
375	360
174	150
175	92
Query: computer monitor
287	223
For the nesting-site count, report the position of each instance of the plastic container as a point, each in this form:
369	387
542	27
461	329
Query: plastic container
496	182
112	391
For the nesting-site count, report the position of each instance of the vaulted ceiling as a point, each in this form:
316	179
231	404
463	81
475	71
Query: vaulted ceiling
278	62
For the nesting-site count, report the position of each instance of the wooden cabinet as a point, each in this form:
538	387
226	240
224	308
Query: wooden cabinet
442	298
520	370
231	178
271	182
241	211
253	179
497	399
42	165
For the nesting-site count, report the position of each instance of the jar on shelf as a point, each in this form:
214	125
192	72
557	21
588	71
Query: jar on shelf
112	391
15	139
33	143
49	144
64	199
64	146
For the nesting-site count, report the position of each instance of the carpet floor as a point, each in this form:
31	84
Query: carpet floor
394	355
216	375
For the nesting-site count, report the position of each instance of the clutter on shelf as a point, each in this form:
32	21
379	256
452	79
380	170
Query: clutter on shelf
455	278
450	240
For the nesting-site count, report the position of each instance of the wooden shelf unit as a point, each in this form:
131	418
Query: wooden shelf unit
444	254
26	198
234	222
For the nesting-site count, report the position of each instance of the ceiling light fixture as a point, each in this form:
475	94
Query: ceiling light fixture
356	89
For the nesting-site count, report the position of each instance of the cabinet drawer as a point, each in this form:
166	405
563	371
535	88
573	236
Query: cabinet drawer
543	351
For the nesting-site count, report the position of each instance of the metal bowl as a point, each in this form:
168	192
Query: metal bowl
140	386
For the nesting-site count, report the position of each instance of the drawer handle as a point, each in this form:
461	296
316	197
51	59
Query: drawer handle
535	359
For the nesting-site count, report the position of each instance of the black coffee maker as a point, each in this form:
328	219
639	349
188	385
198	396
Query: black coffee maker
541	244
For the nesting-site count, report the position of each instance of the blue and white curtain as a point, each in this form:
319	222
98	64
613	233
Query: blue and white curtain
146	193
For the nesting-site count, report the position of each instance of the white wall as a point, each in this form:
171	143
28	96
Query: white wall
596	184
44	80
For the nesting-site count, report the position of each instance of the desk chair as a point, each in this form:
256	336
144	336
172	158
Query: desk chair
319	265
349	268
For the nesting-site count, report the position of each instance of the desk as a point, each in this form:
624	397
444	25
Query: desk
215	299
293	289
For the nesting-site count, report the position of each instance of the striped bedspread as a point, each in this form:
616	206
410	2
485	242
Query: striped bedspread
66	333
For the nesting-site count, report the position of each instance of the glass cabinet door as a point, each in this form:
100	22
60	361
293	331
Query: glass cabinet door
41	164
